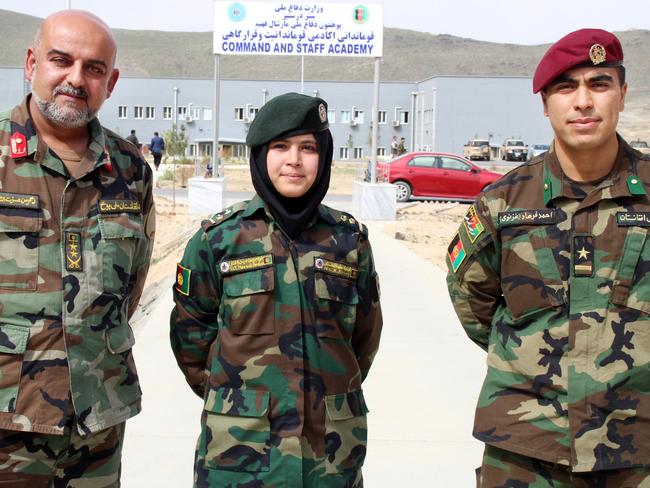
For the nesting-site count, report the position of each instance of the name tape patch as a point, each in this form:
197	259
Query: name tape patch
641	219
246	264
335	268
19	200
528	217
119	206
73	256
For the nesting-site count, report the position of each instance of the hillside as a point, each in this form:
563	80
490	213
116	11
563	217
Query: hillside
408	56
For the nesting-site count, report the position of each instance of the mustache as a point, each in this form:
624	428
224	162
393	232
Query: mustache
70	90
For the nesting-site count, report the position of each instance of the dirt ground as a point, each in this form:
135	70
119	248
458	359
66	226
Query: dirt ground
425	227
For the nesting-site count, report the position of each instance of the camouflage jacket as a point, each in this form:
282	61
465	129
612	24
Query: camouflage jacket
277	337
73	259
551	278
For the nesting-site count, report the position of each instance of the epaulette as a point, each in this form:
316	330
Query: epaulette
348	220
224	215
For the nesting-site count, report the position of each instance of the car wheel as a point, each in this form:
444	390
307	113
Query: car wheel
402	191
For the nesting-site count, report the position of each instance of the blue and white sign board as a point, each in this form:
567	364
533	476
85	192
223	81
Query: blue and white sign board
298	28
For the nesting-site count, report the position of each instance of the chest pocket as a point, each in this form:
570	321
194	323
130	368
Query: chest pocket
120	236
19	249
336	306
248	302
530	276
631	288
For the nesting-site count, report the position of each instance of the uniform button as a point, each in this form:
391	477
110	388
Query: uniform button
224	267
545	186
634	181
319	263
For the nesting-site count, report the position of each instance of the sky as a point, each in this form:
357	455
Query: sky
505	21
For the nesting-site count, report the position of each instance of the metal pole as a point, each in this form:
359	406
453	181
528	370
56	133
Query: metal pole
217	170
414	95
433	120
302	75
421	146
68	3
375	125
175	131
265	93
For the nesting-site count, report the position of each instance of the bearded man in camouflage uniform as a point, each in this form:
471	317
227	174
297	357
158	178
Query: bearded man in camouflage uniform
549	274
76	232
277	318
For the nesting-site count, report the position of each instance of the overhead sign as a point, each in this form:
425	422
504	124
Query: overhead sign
299	29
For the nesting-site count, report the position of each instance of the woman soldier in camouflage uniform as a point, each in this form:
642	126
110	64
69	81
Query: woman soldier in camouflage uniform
277	318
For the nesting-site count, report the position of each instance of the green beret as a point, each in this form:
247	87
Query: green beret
290	112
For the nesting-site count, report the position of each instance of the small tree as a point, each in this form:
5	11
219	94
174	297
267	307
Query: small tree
176	142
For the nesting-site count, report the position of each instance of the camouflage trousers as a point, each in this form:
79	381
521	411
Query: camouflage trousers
503	469
32	460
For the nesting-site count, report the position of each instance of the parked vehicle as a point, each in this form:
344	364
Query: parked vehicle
436	176
536	150
477	149
514	150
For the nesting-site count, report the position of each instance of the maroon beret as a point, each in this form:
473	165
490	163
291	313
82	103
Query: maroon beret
588	47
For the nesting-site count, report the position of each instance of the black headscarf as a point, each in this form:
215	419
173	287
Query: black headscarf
293	214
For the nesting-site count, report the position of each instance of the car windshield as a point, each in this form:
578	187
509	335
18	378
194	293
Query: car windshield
515	143
639	144
541	147
479	143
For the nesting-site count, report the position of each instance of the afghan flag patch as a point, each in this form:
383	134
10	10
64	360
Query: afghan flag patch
183	280
456	252
473	225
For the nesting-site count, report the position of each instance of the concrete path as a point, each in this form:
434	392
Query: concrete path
421	391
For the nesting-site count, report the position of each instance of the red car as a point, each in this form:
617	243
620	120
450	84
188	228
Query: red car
435	176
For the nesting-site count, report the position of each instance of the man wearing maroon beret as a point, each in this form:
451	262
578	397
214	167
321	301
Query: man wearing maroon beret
550	273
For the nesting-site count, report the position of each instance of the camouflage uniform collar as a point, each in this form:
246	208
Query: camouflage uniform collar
38	151
623	179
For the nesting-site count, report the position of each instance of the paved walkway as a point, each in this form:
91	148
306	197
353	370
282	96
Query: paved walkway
421	391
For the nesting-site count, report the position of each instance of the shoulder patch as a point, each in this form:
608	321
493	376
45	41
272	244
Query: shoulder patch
473	224
183	279
224	215
456	252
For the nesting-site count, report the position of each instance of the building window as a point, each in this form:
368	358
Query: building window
344	152
252	112
381	151
122	112
207	113
404	117
138	112
331	116
345	116
150	113
358	116
239	113
381	117
358	153
168	113
182	113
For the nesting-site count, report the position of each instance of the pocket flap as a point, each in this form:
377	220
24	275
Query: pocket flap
13	339
121	226
238	402
120	339
335	288
345	406
249	282
21	223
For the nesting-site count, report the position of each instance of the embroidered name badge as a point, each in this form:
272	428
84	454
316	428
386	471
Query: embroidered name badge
18	145
246	264
583	255
73	255
183	279
528	217
640	219
337	269
119	206
456	252
19	200
473	225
